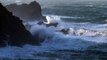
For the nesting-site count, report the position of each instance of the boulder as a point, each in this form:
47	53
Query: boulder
13	31
65	31
27	12
47	25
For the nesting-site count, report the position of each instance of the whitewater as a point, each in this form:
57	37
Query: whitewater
86	37
81	37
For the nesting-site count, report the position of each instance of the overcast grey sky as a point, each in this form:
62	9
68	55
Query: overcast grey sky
43	1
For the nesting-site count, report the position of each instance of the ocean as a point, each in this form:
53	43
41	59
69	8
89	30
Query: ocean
85	40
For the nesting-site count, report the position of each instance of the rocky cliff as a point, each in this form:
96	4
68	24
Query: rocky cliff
27	12
12	31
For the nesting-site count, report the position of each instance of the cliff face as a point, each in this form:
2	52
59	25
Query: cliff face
12	31
27	12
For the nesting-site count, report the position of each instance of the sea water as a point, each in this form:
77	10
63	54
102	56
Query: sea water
86	40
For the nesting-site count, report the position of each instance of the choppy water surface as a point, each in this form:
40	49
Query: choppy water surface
86	40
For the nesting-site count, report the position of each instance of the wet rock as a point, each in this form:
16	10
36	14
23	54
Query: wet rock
29	12
12	26
47	25
52	24
65	31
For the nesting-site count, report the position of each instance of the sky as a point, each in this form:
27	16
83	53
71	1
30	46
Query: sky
6	2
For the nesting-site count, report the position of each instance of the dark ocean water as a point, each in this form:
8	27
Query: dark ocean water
86	40
81	12
87	36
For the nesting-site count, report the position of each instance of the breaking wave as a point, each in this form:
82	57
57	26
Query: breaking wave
80	37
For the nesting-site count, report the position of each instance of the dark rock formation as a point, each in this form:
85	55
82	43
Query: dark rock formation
27	12
47	25
54	24
2	40
13	31
65	31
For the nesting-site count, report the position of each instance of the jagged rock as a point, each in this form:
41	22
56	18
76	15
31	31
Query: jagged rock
2	40
47	25
27	12
65	31
13	31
